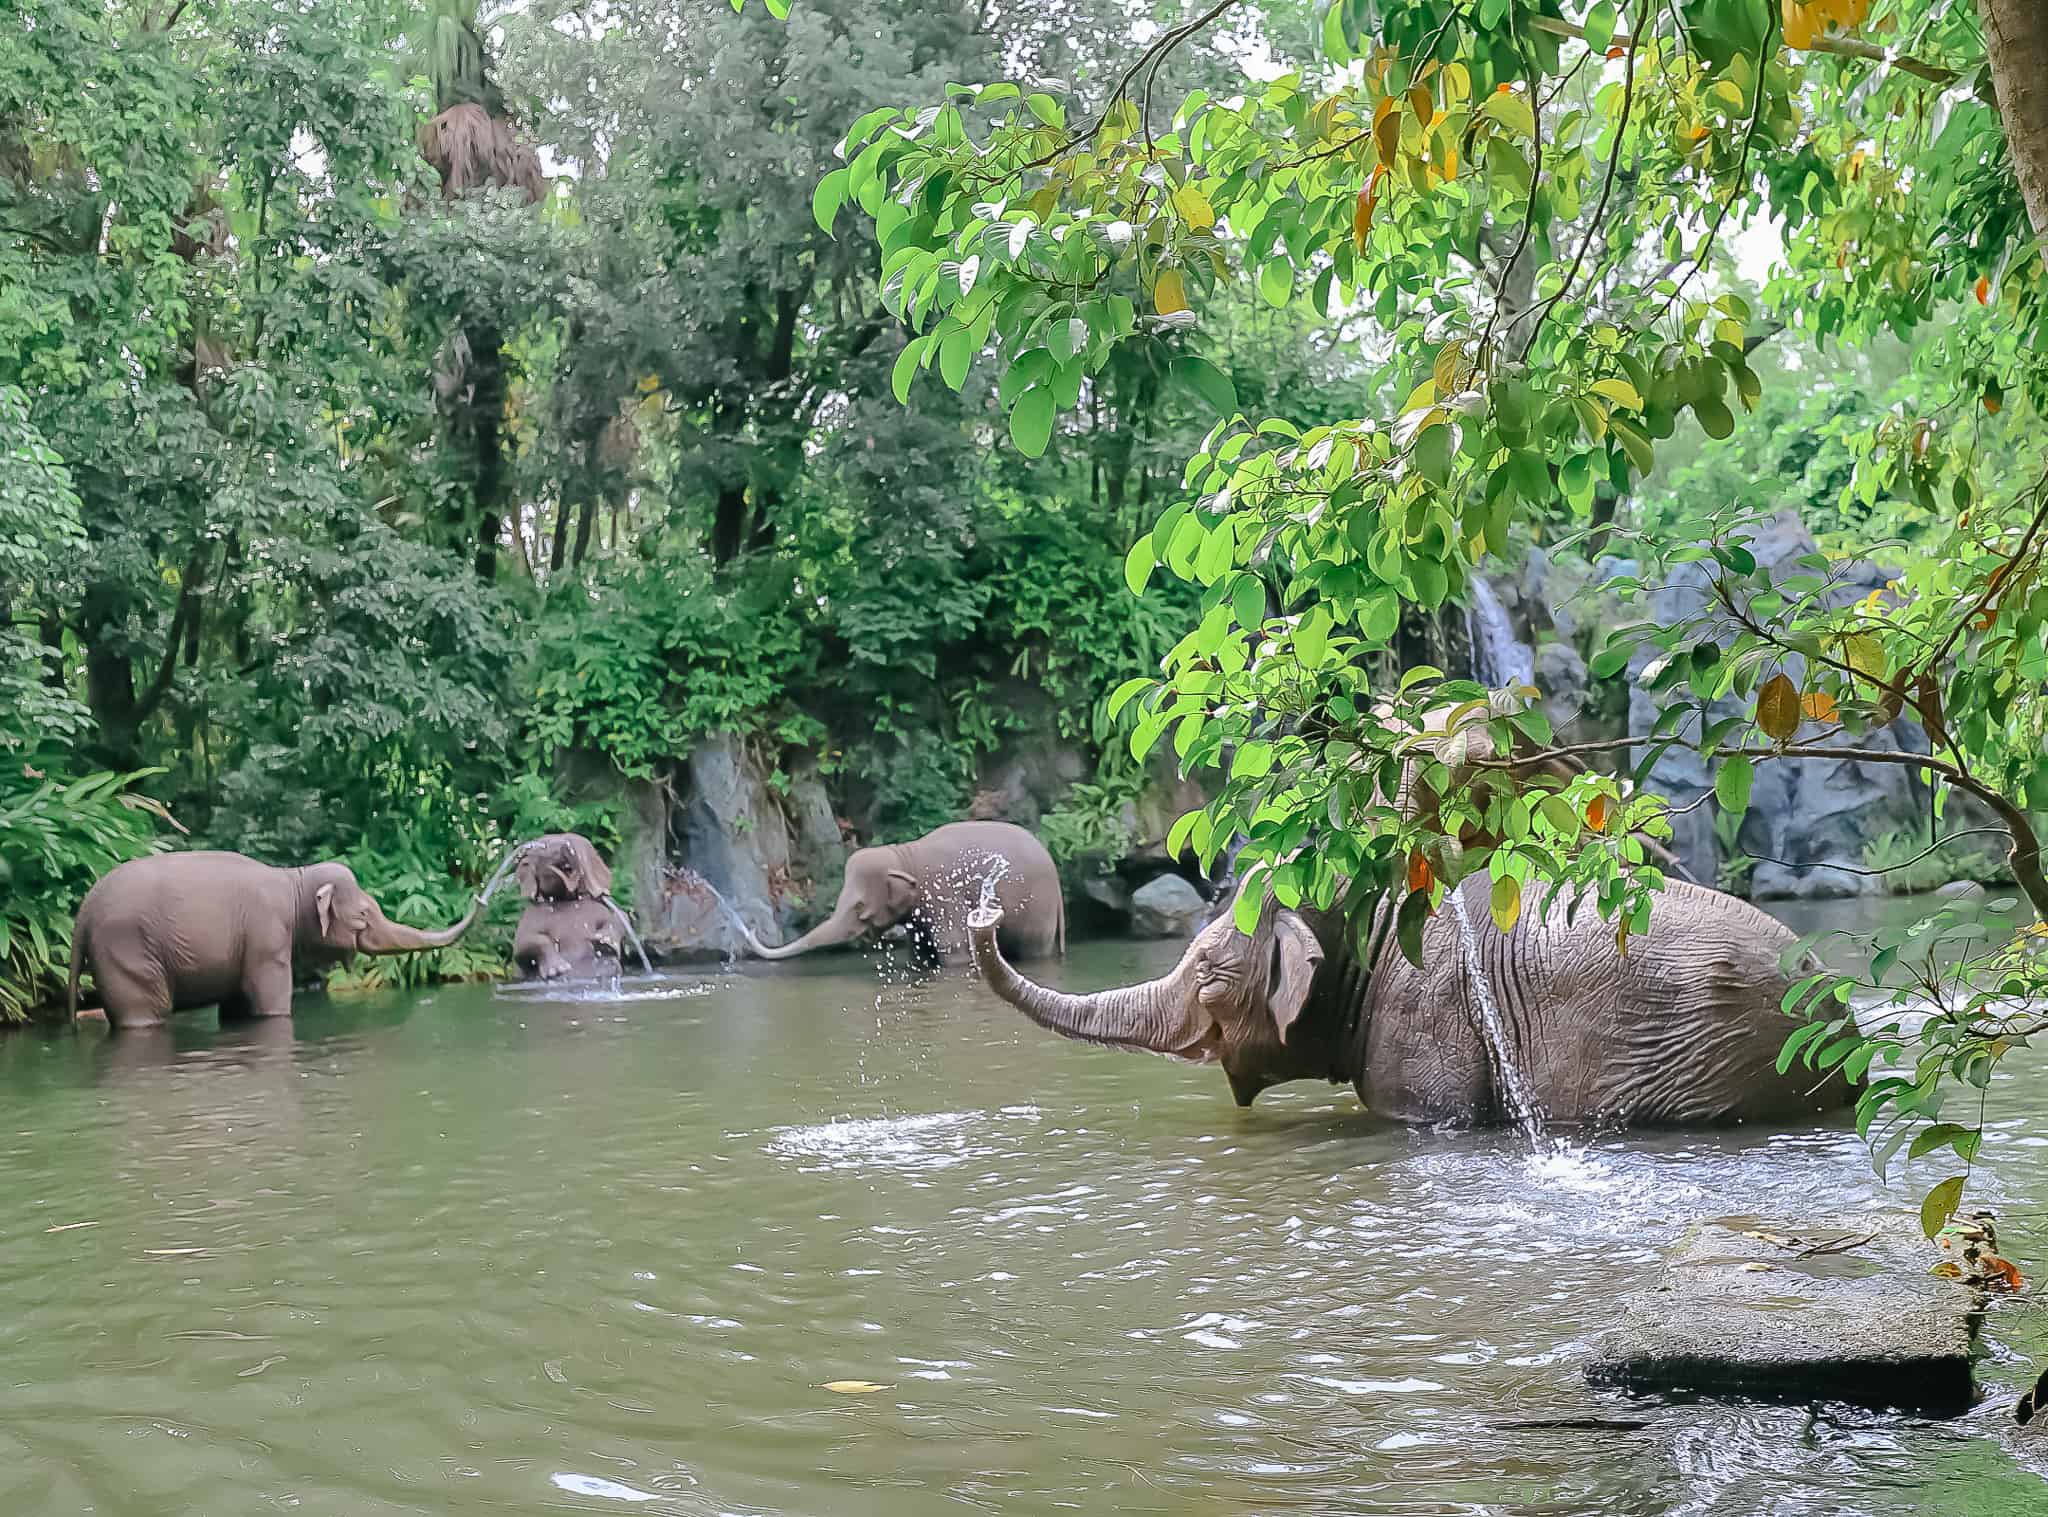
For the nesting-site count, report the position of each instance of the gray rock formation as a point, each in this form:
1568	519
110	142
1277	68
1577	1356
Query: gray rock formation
776	859
1168	907
1811	816
1858	1319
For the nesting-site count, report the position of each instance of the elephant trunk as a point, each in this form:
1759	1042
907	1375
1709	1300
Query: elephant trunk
384	936
837	928
1143	1018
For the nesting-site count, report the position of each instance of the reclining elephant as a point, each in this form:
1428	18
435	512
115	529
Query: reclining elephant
1685	1029
181	930
934	882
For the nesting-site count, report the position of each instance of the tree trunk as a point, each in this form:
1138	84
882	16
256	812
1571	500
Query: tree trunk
2016	42
586	522
479	424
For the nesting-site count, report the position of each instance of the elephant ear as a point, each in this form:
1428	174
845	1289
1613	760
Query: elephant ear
528	872
904	892
1292	957
323	908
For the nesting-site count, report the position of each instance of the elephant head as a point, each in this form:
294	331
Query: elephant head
346	921
562	940
562	867
1232	1000
879	892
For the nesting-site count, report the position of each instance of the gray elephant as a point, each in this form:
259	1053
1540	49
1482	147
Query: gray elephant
567	940
181	930
562	866
1683	1030
933	883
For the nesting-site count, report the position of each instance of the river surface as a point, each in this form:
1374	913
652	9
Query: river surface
459	1253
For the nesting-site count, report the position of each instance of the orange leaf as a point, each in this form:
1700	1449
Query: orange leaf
1420	876
1596	814
1361	216
1819	706
1983	290
1386	129
1422	103
1617	52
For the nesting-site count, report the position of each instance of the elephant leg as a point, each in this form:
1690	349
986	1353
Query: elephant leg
266	989
139	997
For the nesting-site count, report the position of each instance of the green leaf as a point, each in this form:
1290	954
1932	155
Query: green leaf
1409	924
1138	565
1940	1205
1939	1135
1512	111
1207	381
828	197
956	351
1031	421
1731	784
1599	26
1248	601
1126	692
1276	281
906	369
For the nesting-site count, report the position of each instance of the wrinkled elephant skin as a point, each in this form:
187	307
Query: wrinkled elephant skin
932	883
1683	1030
182	930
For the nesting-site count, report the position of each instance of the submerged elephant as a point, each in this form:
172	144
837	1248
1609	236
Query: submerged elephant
567	940
181	930
1683	1030
933	882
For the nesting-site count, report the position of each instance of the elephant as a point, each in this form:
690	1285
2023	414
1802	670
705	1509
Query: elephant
562	866
1682	1030
180	930
567	940
932	883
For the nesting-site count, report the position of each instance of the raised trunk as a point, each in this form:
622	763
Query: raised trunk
388	937
1144	1018
2016	45
835	929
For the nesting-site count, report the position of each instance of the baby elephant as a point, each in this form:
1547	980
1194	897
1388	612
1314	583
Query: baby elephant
182	930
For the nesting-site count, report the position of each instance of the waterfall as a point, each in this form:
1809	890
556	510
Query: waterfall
1498	656
1514	1088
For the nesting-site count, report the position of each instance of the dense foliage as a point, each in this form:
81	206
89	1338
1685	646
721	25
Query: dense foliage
1520	208
415	423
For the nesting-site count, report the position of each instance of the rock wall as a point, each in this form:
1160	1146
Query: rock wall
776	856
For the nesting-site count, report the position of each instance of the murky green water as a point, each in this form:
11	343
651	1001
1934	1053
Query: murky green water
462	1254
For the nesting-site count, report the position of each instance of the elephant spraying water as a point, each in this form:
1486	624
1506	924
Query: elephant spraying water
1683	1030
933	882
181	930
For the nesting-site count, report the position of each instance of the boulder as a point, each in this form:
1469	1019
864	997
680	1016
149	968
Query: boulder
1561	676
1167	907
1843	1309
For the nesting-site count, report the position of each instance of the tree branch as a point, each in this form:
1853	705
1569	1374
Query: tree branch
1840	47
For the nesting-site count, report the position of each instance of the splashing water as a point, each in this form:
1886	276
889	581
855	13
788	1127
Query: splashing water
691	879
1514	1088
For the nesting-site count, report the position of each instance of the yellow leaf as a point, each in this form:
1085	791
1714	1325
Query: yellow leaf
1865	655
1420	102
1819	706
1194	207
1506	902
1450	163
1777	707
649	383
1169	295
1457	83
853	1387
1620	391
1449	363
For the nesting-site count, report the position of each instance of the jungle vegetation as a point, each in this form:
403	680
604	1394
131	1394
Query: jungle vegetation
414	417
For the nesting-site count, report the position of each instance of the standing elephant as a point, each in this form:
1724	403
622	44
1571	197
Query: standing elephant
934	882
180	930
1683	1030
